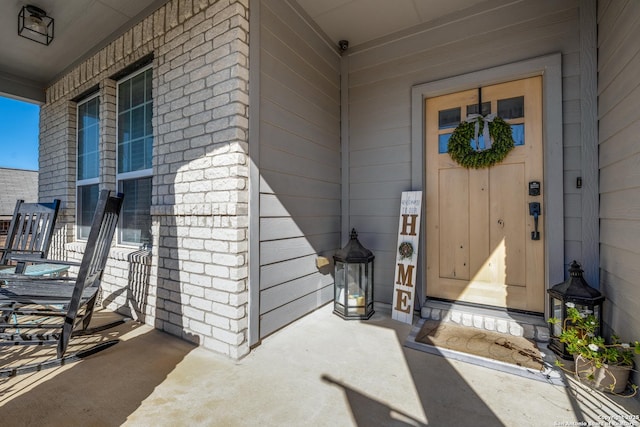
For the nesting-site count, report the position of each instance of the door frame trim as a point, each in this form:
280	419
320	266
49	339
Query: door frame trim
550	68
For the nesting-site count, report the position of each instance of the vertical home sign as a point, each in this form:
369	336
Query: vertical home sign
404	289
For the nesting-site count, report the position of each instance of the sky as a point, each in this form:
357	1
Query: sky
19	123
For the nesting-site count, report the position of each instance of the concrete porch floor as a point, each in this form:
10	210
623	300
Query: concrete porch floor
319	371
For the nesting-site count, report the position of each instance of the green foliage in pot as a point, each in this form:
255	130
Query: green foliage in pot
578	334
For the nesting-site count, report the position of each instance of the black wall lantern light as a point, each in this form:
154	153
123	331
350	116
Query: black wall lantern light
34	24
353	281
576	292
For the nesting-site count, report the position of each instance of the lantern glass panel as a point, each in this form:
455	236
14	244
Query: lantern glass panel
589	309
556	310
357	289
340	285
369	279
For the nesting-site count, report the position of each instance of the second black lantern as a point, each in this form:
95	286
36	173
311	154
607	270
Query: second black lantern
574	292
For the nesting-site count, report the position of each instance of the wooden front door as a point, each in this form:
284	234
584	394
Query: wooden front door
479	242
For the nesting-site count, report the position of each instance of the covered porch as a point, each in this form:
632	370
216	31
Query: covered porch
271	140
319	371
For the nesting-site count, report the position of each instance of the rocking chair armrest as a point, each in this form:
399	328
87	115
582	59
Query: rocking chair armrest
24	253
22	278
43	261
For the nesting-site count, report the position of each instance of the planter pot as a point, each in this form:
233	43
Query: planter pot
608	378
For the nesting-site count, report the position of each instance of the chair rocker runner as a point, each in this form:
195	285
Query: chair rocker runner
29	235
49	310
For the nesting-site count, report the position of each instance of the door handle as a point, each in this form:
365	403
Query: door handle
534	211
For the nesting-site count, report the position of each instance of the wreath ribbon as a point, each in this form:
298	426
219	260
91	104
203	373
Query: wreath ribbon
485	130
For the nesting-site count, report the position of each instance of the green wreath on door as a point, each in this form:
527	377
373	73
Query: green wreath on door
499	138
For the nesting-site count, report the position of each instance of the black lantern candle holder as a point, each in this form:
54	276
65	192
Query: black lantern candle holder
353	281
576	292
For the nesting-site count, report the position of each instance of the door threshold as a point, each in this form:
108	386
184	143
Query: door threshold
528	325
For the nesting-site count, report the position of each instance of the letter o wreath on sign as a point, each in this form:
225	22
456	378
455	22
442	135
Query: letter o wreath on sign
465	155
405	250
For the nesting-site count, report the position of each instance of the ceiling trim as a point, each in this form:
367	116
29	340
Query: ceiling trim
22	89
316	28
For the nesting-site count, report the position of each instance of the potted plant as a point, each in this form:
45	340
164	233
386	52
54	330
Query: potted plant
605	366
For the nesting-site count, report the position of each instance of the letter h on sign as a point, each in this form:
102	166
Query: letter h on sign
409	225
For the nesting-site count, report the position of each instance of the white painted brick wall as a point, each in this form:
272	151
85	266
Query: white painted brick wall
194	285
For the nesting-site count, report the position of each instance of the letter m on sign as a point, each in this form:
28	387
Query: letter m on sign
407	256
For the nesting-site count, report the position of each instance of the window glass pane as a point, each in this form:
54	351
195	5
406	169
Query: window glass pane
518	134
138	126
511	108
124	95
124	127
449	118
123	158
135	220
473	109
147	85
148	119
135	126
137	151
88	139
88	166
87	201
137	90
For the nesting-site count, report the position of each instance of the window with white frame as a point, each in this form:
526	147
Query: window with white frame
134	150
88	163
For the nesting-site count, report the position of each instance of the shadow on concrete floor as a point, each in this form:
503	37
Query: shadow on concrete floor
318	371
100	390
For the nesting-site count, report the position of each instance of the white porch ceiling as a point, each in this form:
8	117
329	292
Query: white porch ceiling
81	26
84	26
360	21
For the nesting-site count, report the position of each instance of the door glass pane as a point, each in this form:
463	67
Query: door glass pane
473	109
449	118
443	143
511	108
518	134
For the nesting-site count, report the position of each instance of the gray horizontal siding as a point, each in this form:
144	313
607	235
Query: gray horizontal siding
619	152
299	195
380	80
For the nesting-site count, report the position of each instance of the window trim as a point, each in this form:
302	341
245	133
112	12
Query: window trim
124	176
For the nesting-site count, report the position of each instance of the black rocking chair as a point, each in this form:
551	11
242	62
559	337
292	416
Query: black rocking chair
29	235
49	310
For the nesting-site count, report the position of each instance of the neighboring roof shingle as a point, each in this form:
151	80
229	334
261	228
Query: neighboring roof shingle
17	184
